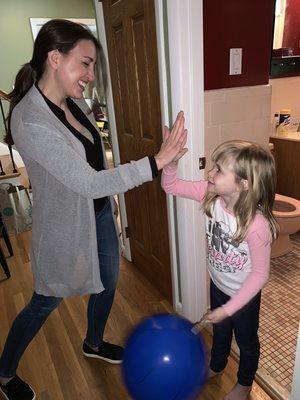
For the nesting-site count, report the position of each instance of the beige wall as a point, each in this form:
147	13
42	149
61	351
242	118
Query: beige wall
286	94
15	32
237	113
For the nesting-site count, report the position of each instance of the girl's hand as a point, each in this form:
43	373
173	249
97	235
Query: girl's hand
172	147
215	316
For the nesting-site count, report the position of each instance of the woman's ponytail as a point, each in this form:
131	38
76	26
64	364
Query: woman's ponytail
24	80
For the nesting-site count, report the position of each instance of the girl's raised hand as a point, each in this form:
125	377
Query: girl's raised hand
172	147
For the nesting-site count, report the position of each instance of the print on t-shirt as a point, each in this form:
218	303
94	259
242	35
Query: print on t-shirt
223	254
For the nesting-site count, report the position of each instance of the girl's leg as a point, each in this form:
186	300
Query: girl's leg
245	326
23	330
222	333
100	304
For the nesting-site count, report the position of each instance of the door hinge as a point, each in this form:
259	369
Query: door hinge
202	162
127	232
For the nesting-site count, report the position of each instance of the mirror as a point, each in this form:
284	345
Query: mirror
286	39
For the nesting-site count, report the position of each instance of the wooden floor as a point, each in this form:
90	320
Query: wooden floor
53	363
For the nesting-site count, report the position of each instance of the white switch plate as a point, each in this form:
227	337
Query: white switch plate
235	64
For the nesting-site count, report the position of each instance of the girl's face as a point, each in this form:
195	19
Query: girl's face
222	181
76	69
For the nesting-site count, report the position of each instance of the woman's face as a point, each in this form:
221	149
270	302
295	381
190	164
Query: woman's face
76	69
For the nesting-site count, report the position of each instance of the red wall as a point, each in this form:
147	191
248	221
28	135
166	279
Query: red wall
246	24
291	33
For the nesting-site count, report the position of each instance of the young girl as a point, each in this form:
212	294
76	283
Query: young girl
237	199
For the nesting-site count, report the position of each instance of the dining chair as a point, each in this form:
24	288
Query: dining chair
4	234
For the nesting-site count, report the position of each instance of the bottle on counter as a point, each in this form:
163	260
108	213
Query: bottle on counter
275	124
284	122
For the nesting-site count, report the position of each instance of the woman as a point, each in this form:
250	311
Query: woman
73	226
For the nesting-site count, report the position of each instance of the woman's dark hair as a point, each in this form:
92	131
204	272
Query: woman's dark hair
56	34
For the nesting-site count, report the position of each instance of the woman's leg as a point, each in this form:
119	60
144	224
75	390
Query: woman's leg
100	304
23	330
222	332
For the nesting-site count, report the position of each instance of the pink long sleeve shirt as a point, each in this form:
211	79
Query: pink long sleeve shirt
241	270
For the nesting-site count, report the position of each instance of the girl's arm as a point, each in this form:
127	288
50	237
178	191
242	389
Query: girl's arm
178	187
259	242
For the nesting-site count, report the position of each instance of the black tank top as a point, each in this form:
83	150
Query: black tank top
94	154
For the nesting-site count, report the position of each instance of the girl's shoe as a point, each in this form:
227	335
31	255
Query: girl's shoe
238	392
211	373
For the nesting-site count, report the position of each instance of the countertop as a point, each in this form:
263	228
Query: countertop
293	136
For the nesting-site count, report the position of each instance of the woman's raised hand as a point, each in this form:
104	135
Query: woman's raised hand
172	148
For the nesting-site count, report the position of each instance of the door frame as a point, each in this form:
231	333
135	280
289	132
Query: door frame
179	39
295	393
112	126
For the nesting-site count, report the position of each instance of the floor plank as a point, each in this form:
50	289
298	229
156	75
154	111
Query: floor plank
54	364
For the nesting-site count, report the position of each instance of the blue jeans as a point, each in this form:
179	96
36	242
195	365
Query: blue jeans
33	316
244	324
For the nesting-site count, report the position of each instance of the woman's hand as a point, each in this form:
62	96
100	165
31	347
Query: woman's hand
215	316
172	148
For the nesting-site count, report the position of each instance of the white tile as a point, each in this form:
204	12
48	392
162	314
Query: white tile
285	94
227	112
212	138
260	90
207	114
211	96
240	130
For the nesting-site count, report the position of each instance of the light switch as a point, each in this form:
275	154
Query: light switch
235	64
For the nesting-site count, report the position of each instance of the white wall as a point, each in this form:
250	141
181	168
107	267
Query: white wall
237	113
286	94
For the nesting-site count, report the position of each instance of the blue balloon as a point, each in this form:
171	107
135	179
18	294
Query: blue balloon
164	360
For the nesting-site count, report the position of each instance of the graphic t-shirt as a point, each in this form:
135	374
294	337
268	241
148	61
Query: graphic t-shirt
240	270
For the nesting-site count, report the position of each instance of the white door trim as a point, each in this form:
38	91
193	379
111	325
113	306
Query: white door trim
112	124
295	395
186	221
166	117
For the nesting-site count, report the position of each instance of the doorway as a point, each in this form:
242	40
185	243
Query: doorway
280	309
180	54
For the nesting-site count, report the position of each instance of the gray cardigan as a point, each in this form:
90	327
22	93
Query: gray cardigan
64	256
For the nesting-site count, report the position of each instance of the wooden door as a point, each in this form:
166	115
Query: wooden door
131	40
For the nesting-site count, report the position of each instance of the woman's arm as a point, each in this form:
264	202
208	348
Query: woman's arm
49	149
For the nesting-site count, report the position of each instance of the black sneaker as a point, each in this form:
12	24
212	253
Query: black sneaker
111	353
16	389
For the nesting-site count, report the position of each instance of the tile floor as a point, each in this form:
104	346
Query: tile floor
280	316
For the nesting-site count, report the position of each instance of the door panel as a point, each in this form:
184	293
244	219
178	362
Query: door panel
131	39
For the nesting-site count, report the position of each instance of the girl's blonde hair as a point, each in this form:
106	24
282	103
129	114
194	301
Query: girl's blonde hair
251	162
